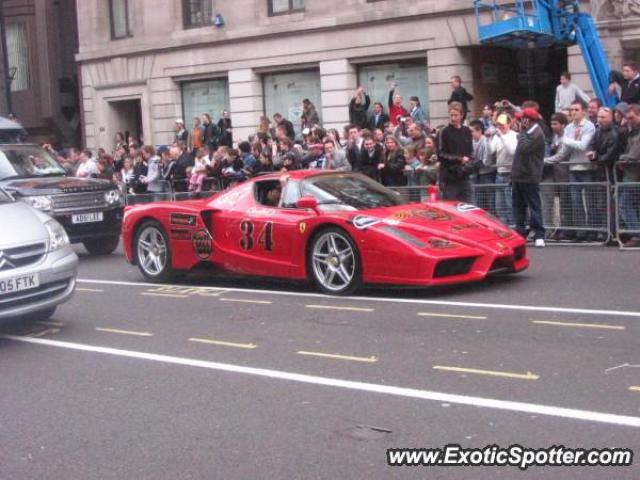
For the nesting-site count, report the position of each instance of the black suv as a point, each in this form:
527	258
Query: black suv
90	210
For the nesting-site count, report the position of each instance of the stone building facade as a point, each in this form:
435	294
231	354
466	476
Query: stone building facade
145	63
41	39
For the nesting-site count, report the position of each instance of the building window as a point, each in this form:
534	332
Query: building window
18	56
280	7
197	13
119	19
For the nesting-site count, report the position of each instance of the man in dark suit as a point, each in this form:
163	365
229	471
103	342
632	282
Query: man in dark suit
629	82
378	118
371	156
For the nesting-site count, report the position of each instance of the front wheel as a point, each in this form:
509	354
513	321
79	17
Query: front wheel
153	256
334	263
102	246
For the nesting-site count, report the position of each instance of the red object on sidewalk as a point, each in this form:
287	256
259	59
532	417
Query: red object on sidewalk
433	192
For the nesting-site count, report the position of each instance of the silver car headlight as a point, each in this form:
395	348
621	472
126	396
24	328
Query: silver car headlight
58	238
41	202
114	198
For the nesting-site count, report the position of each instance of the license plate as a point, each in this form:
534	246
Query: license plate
17	284
87	217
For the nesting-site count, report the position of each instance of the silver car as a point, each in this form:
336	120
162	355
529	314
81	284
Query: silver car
37	265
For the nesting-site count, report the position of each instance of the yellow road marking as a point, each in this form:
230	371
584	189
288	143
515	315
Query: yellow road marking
170	295
124	332
448	315
209	341
51	324
371	359
95	290
579	325
242	300
348	309
48	331
634	389
519	376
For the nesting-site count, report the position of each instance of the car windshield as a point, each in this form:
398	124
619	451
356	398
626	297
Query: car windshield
27	161
351	191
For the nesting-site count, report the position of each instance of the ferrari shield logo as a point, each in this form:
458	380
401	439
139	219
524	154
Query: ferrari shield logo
303	227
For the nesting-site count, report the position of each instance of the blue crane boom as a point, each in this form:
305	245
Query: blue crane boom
544	24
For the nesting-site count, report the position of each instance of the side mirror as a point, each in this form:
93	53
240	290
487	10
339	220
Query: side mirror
308	202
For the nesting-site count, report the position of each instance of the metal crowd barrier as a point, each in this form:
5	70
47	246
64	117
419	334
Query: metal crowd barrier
572	212
627	200
172	191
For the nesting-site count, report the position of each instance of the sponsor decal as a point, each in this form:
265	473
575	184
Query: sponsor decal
463	226
303	227
183	219
202	244
180	234
466	207
362	222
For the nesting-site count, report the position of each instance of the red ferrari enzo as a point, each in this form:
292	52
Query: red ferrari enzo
340	230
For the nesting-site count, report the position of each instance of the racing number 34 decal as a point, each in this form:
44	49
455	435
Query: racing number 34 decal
265	238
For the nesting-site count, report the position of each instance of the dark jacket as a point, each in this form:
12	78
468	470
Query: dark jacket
606	145
461	95
368	163
310	116
180	175
226	137
358	112
454	144
211	135
393	171
528	161
382	119
630	90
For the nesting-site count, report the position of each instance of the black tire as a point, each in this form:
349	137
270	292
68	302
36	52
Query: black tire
102	246
158	272
322	272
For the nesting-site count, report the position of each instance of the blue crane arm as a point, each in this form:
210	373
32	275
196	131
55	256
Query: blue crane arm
595	57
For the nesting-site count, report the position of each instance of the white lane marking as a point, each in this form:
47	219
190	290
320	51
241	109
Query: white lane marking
507	405
94	290
495	306
210	341
124	332
242	300
578	325
337	307
336	356
169	295
447	315
492	373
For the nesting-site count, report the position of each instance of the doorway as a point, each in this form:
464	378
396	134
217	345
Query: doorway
125	116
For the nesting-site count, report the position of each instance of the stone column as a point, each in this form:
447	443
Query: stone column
338	81
246	102
442	64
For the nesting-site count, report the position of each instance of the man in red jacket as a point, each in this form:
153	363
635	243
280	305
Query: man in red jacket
396	110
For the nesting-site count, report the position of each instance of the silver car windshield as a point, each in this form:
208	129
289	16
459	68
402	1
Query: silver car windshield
27	161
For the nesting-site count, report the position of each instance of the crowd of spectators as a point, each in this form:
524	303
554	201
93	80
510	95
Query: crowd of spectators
509	145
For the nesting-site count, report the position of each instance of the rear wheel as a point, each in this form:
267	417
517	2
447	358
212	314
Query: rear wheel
334	263
152	251
102	246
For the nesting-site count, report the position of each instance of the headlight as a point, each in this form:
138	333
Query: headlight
41	202
114	198
58	238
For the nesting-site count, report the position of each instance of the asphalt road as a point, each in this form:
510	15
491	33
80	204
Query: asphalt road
221	377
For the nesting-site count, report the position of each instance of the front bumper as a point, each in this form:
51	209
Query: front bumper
57	272
108	227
